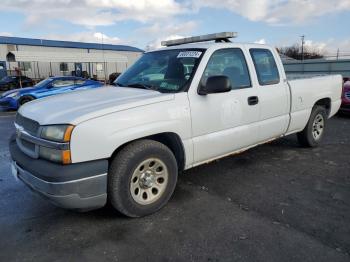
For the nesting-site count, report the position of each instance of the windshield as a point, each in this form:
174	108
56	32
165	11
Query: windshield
43	83
164	71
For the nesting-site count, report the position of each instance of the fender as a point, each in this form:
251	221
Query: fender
107	133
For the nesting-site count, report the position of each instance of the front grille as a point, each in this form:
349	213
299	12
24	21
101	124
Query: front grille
347	95
28	125
28	145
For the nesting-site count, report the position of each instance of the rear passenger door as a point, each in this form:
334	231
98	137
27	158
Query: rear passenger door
273	92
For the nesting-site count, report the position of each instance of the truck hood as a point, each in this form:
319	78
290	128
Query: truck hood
76	107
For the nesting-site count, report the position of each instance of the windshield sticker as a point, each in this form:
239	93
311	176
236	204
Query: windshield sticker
194	54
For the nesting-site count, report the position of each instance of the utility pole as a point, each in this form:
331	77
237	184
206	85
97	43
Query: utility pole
337	53
302	47
104	59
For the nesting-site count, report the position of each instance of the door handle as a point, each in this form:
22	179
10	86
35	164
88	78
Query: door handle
253	100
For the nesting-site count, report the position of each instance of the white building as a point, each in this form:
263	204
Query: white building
39	58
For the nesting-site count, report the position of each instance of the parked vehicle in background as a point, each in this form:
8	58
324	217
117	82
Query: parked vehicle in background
127	144
13	99
345	105
112	77
14	82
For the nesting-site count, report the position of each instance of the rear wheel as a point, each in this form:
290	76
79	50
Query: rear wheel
312	134
142	177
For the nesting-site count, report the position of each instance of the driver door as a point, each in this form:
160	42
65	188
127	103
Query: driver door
225	122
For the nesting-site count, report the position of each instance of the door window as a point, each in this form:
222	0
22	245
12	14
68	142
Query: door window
62	83
231	63
265	66
79	82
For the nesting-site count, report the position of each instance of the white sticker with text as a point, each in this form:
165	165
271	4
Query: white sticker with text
194	54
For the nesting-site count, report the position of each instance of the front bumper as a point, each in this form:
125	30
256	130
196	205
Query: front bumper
8	103
81	186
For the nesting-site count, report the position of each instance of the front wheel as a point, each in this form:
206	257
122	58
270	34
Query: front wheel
24	100
313	132
141	178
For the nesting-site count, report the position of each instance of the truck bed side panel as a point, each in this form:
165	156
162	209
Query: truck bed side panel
306	92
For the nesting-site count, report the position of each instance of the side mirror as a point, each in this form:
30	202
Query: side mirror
215	84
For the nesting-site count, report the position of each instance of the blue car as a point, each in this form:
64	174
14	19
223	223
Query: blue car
13	99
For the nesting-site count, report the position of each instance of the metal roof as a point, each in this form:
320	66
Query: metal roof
65	44
40	56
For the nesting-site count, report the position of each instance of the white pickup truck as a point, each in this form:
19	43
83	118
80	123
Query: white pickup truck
175	108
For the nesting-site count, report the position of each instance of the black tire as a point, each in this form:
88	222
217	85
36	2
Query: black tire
121	171
306	137
25	99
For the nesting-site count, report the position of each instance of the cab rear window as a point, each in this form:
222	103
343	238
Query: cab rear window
265	66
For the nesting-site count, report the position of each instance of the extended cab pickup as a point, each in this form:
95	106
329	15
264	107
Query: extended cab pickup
175	108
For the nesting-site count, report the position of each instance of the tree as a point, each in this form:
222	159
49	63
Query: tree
294	51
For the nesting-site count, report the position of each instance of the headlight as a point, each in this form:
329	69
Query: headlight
13	95
58	133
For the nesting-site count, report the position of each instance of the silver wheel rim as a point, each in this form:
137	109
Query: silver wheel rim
318	127
149	181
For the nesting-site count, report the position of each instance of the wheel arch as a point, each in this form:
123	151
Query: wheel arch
326	103
24	96
169	139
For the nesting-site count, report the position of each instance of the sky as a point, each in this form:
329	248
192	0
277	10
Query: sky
145	23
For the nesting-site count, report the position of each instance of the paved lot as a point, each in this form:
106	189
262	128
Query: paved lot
277	202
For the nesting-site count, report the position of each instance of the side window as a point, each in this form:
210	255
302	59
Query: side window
79	82
231	63
62	83
265	66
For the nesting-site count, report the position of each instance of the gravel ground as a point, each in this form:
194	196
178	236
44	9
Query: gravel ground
276	202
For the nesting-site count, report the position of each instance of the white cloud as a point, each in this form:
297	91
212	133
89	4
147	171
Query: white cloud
91	13
5	34
161	32
329	48
261	41
171	28
161	19
277	11
141	10
316	46
89	37
156	44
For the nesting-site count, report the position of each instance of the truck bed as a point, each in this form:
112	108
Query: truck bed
306	91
